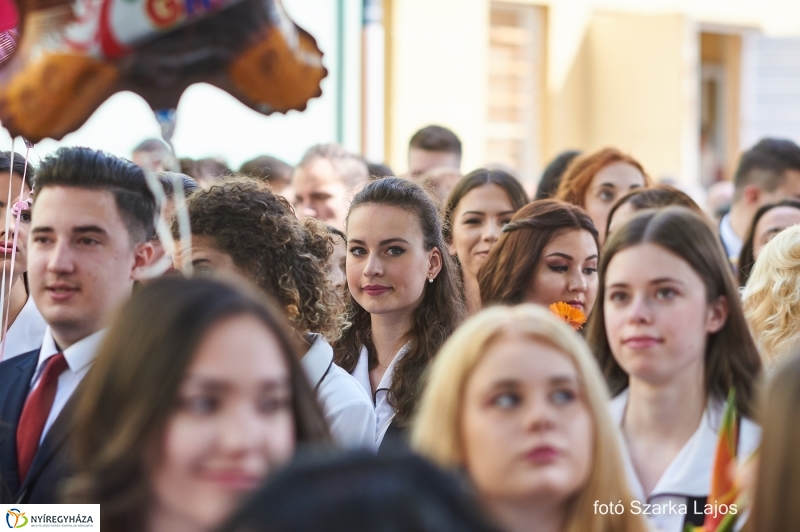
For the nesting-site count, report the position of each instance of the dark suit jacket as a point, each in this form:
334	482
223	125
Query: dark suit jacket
51	464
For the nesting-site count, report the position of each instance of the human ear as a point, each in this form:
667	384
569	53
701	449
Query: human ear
751	194
142	257
717	315
434	263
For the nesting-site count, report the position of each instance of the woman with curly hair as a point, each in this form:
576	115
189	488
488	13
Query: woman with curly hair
240	226
596	181
771	299
403	295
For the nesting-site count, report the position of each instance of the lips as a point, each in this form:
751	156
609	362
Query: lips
577	304
233	480
375	289
61	291
7	248
641	342
543	455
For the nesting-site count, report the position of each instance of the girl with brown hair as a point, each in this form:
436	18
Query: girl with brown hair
596	181
195	397
239	226
478	208
403	295
548	253
672	341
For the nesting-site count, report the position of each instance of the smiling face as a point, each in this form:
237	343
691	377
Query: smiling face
607	186
657	316
526	428
567	271
19	222
771	223
233	425
81	261
387	263
478	222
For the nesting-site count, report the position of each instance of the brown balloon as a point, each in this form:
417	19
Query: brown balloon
71	58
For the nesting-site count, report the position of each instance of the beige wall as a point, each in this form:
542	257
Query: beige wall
622	72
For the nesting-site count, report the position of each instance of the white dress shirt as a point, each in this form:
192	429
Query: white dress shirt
730	240
347	407
384	413
79	357
26	333
689	474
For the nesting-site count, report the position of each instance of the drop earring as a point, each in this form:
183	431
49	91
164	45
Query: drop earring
430	279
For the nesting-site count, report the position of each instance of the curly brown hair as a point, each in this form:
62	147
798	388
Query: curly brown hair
284	256
432	322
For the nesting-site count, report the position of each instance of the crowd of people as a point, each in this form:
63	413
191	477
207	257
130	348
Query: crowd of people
431	352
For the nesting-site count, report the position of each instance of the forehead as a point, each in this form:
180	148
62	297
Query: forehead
318	173
485	198
643	263
518	357
778	217
619	174
67	207
431	159
573	240
373	222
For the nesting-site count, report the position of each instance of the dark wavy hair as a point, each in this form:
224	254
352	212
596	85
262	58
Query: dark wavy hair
286	257
432	322
511	263
746	258
731	358
128	397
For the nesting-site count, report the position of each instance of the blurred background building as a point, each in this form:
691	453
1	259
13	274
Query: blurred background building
683	85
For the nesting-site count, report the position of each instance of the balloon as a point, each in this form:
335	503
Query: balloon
74	55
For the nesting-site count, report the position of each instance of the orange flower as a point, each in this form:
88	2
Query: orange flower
569	314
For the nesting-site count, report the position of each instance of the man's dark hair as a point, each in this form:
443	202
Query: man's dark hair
764	165
269	169
551	177
96	170
168	180
19	167
436	138
379	171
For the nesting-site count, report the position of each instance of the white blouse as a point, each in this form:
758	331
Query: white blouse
384	413
347	407
689	474
26	333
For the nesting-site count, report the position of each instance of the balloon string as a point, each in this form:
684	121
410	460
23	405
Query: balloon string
14	252
8	221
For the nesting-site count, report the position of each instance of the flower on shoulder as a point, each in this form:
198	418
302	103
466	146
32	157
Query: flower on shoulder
568	314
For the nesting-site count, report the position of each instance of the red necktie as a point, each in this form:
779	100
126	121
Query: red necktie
36	411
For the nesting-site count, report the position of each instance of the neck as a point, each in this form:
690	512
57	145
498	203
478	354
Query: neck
526	515
161	520
740	218
472	294
669	413
17	298
388	335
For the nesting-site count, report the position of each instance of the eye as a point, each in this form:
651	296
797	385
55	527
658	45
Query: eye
358	251
273	404
506	401
25	217
472	221
558	268
86	241
395	251
205	271
606	195
618	297
506	221
200	405
589	271
564	396
41	239
666	293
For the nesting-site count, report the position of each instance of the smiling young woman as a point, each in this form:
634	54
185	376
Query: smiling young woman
672	340
515	400
403	294
548	253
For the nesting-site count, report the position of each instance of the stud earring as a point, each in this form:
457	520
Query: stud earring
430	279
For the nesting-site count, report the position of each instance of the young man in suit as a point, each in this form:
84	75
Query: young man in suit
92	219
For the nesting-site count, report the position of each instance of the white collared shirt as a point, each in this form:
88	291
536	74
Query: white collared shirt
347	407
384	413
689	473
79	357
26	333
730	240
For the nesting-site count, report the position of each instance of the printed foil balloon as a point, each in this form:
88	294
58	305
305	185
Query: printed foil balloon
72	55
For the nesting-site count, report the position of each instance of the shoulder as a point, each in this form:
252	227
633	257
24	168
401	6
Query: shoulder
20	362
342	387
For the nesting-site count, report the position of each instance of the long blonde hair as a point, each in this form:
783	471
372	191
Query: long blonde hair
436	429
771	297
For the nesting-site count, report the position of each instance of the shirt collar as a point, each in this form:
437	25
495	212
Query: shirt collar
361	371
317	359
78	356
730	240
689	473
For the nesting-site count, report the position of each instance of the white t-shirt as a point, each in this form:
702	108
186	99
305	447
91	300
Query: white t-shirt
384	413
348	410
689	473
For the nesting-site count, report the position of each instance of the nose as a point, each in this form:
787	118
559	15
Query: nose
240	432
304	209
540	415
373	266
61	259
492	232
577	282
639	310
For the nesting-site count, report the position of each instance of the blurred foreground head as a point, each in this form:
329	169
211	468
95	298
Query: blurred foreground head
360	492
196	396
